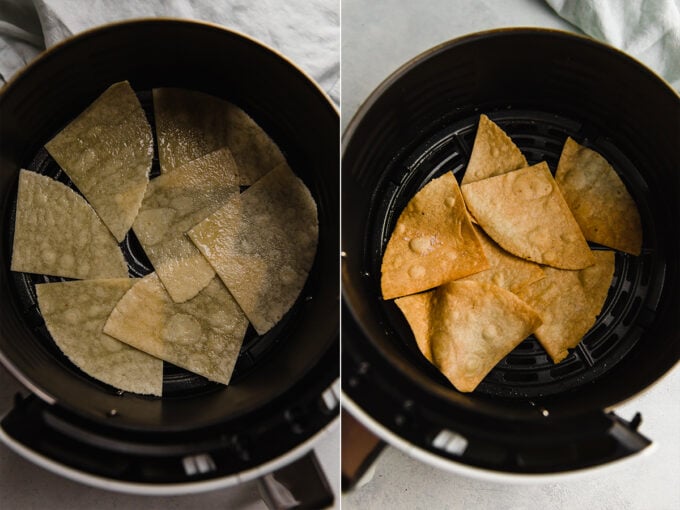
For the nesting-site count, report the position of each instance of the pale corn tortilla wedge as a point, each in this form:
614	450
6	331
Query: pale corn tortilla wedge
599	200
416	309
202	335
432	243
506	270
525	213
75	313
190	124
175	202
107	152
474	325
57	233
262	244
493	153
569	303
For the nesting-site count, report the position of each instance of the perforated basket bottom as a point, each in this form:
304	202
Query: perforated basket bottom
177	382
527	372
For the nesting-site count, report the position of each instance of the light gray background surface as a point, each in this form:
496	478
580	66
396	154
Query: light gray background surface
378	37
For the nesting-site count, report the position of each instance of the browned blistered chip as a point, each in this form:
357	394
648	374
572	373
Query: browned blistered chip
599	200
432	243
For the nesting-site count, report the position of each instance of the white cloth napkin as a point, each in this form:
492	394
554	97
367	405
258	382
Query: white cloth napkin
649	30
306	31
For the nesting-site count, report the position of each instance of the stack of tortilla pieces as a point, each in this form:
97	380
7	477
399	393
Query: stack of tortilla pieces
221	257
472	292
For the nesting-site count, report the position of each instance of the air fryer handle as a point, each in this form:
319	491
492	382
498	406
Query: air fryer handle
299	485
360	448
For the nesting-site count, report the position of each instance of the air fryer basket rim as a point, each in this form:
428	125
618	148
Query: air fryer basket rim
352	294
300	85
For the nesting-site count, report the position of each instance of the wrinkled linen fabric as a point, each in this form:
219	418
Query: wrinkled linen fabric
305	31
649	30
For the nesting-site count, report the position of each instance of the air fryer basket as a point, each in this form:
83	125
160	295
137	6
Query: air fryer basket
540	86
281	376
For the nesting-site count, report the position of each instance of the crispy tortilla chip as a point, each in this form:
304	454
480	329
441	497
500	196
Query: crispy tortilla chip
203	335
107	152
599	200
493	153
75	314
474	325
262	245
190	124
597	279
57	233
174	203
416	309
525	213
507	271
433	242
569	302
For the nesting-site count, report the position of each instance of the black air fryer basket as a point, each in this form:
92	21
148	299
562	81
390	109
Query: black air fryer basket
528	415
199	434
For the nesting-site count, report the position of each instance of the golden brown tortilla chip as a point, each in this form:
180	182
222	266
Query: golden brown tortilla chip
597	279
174	203
107	152
203	335
569	302
75	313
416	309
473	326
493	153
190	124
432	243
57	233
507	271
599	200
262	244
525	213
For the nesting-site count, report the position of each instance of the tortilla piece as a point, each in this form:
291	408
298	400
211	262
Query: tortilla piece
57	233
597	279
75	313
416	309
507	271
599	200
432	243
262	244
203	335
493	153
474	325
190	124
524	212
174	203
107	152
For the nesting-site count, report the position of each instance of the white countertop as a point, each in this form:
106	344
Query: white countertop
377	38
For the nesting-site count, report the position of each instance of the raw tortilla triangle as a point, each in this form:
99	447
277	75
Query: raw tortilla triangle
599	200
493	153
474	325
416	309
75	313
190	124
505	270
569	302
107	152
174	203
525	213
432	243
262	244
203	335
57	233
